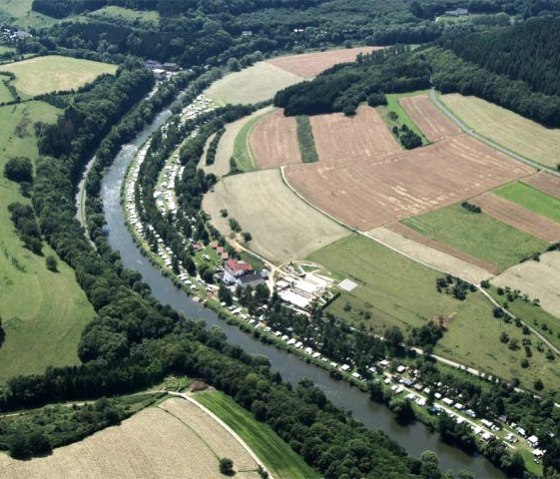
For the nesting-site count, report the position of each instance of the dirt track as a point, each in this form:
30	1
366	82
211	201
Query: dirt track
373	192
308	65
339	138
433	123
545	182
518	217
274	141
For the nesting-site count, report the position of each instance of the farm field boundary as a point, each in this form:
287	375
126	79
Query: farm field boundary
545	182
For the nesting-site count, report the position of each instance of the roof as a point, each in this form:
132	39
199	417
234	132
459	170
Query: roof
238	266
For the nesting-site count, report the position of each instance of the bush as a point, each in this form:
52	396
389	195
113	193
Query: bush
52	264
19	169
226	467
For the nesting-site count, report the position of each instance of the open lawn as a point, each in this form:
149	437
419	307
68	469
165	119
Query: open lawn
282	225
397	291
538	279
40	75
478	235
257	83
308	65
377	190
5	94
435	125
279	458
173	440
532	199
519	134
394	107
43	313
134	17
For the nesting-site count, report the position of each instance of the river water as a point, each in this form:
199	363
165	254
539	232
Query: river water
414	438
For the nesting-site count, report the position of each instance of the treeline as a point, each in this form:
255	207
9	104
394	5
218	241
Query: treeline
213	146
525	51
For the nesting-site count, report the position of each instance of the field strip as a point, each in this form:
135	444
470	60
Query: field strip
417	238
538	279
520	218
469	131
224	425
431	121
546	183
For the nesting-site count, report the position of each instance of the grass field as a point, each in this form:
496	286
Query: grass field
532	199
396	291
241	150
43	313
507	128
19	11
41	75
283	226
174	440
135	17
478	235
5	94
259	82
393	105
305	140
279	458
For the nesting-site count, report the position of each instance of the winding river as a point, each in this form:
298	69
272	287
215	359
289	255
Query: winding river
414	439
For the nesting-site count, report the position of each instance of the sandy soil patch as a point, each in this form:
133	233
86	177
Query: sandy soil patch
518	217
282	225
537	279
545	182
507	128
434	124
259	82
429	256
341	138
413	235
183	443
373	192
274	141
308	65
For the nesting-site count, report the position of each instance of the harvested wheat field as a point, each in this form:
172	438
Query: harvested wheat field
259	82
519	134
538	279
225	149
282	225
274	141
545	182
340	138
367	193
418	238
434	124
308	65
183	443
520	218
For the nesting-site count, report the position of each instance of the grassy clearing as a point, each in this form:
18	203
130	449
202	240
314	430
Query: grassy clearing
40	75
135	17
241	150
506	128
393	105
395	291
5	94
19	12
43	313
532	199
282	461
305	140
478	235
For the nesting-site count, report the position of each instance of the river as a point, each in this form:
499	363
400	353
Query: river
415	438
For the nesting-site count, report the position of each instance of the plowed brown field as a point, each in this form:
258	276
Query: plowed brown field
545	182
363	136
414	235
433	123
311	64
518	217
368	193
274	141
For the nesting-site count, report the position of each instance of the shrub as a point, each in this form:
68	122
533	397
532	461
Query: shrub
19	169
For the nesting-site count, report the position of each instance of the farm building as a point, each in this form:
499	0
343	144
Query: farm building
242	274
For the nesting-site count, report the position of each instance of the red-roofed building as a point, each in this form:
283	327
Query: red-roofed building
241	273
